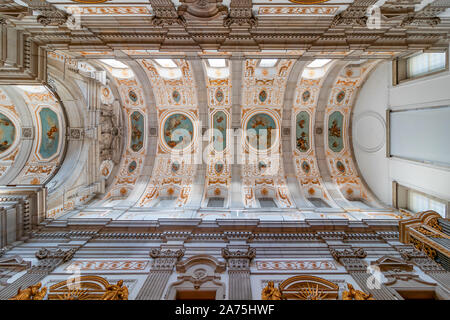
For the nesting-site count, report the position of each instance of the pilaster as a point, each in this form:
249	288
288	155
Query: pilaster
353	261
238	263
161	269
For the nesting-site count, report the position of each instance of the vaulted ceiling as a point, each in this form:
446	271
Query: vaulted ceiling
206	109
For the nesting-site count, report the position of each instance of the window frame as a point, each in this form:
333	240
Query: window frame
400	198
400	65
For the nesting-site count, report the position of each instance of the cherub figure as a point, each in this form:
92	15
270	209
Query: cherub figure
353	294
270	292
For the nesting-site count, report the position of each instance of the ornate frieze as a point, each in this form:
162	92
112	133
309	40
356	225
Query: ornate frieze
96	265
272	265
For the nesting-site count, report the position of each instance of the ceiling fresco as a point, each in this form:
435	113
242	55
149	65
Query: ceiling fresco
261	131
178	131
236	157
50	133
178	125
7	133
306	102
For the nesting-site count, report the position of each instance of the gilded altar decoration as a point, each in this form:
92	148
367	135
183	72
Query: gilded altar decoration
270	292
88	288
33	292
116	292
75	294
311	293
353	294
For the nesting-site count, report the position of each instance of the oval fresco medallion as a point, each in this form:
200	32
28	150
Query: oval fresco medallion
7	133
262	165
306	95
176	96
219	95
50	133
220	131
340	166
340	96
218	167
306	167
261	131
132	166
262	95
178	131
302	131
335	134
137	131
133	96
175	166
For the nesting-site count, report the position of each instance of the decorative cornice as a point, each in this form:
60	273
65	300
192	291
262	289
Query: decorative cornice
158	253
249	254
64	255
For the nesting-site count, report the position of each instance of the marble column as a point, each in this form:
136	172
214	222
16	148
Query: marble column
427	265
238	263
161	269
48	260
352	260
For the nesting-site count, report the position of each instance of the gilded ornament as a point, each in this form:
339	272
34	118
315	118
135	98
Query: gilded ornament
353	294
311	293
270	292
116	292
31	293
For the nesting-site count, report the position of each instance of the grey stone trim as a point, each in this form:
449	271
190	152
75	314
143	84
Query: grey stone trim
238	263
162	267
48	261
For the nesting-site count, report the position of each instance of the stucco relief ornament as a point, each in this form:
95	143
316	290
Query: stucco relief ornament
202	9
33	292
270	292
116	292
240	14
353	294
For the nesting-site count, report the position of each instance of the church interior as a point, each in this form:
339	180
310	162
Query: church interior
224	149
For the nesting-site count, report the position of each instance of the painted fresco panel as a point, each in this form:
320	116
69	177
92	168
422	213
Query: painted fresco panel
302	131
7	133
178	131
261	132
137	131
335	131
220	131
50	133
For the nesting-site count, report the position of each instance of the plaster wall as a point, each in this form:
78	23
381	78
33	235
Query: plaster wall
369	133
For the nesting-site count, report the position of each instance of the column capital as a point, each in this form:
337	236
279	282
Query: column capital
238	260
165	259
